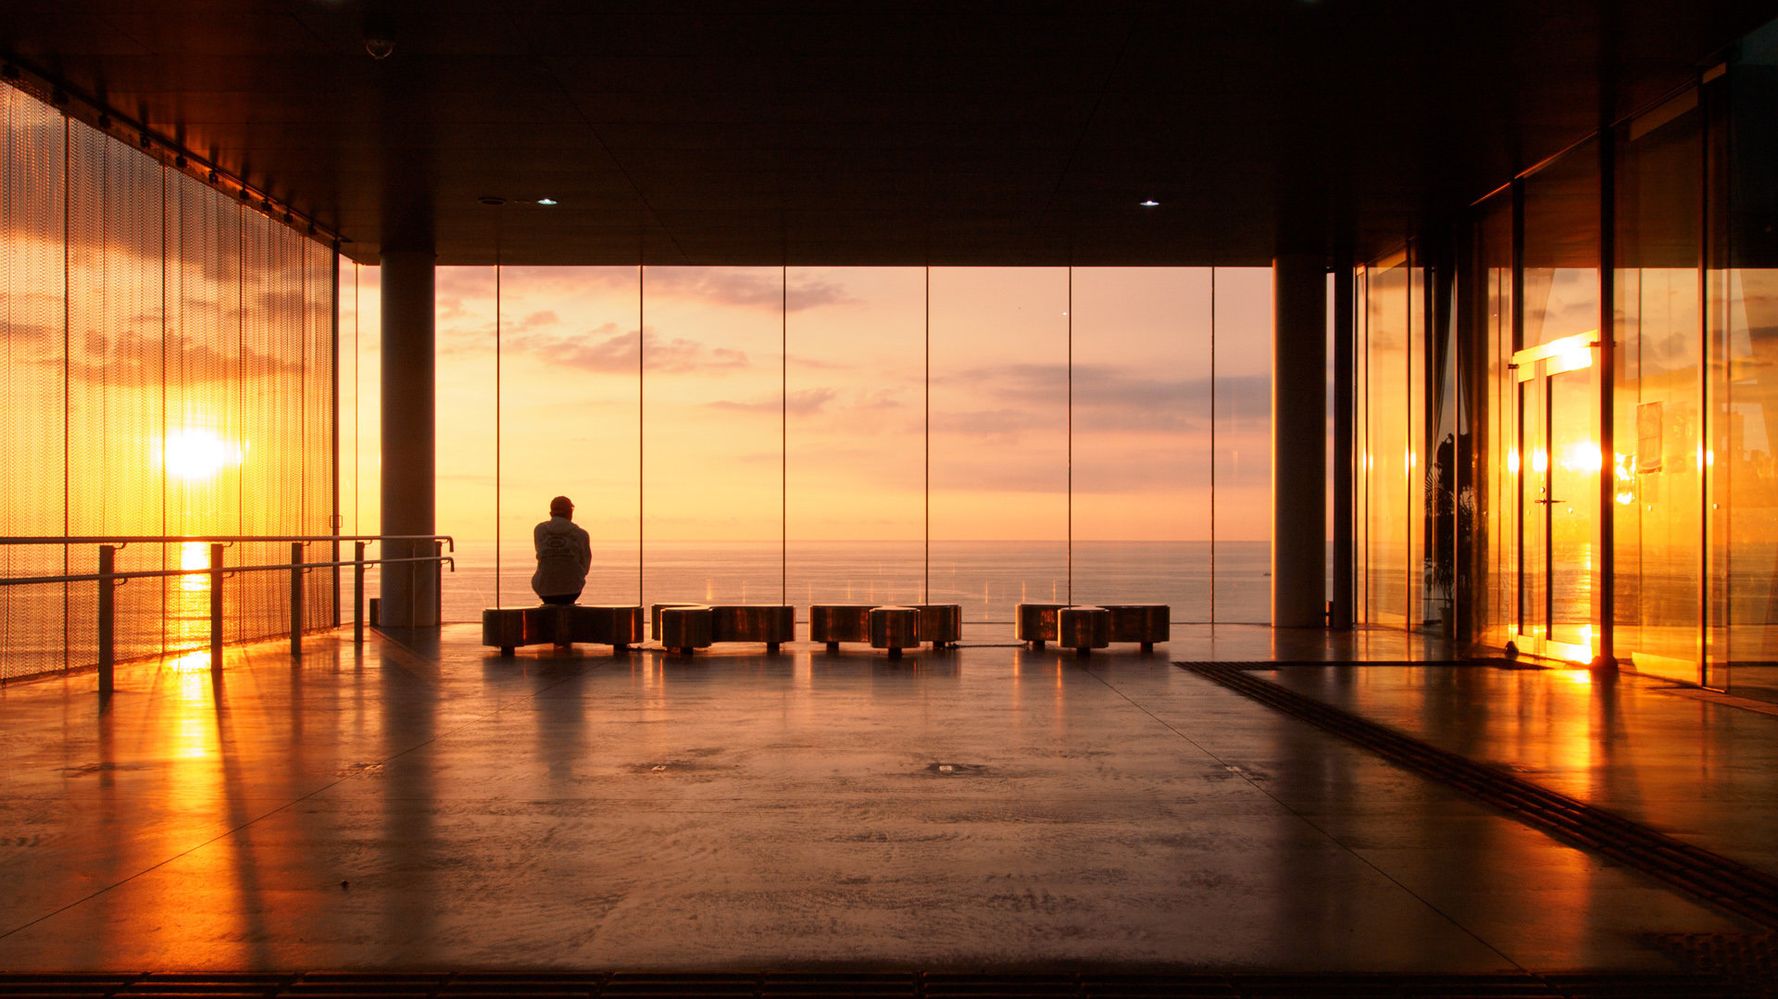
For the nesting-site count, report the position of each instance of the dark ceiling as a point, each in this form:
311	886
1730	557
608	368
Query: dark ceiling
872	133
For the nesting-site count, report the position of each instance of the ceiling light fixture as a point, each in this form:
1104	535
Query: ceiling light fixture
547	202
1149	203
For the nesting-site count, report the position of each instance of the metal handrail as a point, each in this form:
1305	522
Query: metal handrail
171	539
109	579
94	577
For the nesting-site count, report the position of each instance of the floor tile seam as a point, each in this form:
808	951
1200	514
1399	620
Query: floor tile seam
1350	851
226	834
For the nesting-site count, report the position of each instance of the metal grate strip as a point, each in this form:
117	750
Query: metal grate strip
913	985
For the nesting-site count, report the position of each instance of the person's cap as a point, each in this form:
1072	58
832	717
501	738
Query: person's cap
561	504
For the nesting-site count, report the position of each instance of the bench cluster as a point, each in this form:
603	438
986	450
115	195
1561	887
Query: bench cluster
685	628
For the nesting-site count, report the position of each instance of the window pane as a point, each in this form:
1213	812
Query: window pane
1384	344
464	455
999	441
1142	437
713	436
1243	457
570	421
857	346
1658	419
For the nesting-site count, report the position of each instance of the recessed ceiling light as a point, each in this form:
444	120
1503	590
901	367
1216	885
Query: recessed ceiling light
1150	203
546	201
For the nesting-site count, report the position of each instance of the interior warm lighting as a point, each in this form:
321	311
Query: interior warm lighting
1625	497
1540	461
198	453
1512	461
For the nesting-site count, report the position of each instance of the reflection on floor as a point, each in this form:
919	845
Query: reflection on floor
424	804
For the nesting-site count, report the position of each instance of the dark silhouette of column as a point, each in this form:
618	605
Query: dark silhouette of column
1299	428
409	593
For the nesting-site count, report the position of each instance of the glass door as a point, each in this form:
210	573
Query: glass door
1557	462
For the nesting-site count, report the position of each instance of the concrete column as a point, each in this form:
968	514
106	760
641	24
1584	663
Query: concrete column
409	593
1345	440
1299	428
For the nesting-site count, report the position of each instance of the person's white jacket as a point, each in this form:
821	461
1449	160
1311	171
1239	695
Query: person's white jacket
564	553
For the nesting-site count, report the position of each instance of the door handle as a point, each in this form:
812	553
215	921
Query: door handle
1547	502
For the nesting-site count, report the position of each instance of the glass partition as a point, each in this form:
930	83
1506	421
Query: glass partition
856	403
713	434
999	495
1657	412
571	420
1242	369
1142	422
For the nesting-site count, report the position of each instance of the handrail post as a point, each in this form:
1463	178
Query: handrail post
358	593
296	600
107	619
216	607
438	583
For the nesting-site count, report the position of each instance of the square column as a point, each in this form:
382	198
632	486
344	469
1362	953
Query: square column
409	591
1299	441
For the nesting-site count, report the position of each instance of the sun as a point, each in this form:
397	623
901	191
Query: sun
196	454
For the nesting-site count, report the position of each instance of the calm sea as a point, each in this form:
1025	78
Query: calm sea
44	628
986	577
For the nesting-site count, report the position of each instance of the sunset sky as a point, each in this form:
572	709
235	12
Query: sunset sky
718	384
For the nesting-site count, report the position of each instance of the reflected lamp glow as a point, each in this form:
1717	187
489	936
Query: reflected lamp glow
1512	461
198	453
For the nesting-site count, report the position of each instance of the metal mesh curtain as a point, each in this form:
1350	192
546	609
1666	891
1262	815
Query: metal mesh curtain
170	369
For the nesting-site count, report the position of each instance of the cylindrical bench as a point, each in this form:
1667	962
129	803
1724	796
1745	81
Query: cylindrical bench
1143	623
504	628
654	616
616	625
1084	629
1037	623
686	627
941	624
836	623
894	628
773	624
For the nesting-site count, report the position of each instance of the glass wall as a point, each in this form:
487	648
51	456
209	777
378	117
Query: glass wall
857	434
1241	367
1657	467
1390	339
170	371
1494	574
1000	449
1142	441
855	395
1742	308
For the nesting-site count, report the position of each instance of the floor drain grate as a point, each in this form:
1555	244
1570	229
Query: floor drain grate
1711	877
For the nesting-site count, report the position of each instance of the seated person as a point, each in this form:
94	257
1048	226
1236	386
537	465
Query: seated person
564	554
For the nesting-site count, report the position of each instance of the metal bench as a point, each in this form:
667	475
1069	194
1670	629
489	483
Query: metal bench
894	629
562	625
773	624
832	624
1083	629
1146	624
941	624
1035	624
684	627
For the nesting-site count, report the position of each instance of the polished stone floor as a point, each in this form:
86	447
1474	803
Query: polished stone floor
423	804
